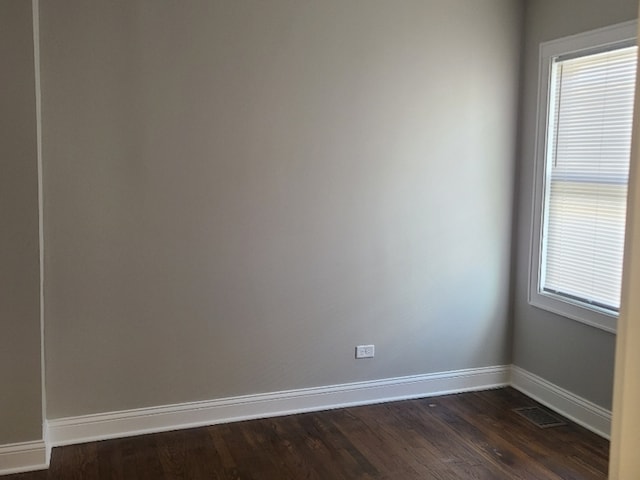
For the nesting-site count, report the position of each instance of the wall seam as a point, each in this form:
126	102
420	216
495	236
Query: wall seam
35	8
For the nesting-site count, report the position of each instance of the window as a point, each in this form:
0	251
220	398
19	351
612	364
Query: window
587	86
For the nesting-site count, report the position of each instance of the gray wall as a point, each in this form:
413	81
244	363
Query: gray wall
239	192
574	356
20	381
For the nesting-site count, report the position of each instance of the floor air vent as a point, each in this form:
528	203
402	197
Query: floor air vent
539	417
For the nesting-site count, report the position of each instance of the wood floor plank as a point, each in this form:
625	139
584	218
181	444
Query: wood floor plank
490	442
372	440
559	451
474	436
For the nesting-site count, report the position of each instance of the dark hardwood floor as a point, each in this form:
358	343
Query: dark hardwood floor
465	436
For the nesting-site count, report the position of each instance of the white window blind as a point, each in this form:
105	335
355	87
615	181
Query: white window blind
587	162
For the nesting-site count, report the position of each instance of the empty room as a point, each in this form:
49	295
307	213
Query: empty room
319	239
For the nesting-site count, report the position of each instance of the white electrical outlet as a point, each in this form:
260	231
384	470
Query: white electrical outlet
365	351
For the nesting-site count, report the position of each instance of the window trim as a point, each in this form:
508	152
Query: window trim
608	37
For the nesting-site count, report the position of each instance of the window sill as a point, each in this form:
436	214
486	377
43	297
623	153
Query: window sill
592	316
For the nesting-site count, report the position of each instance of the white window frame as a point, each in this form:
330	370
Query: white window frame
601	38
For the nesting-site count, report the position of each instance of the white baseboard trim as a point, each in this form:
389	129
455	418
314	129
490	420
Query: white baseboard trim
577	409
23	457
86	428
29	456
